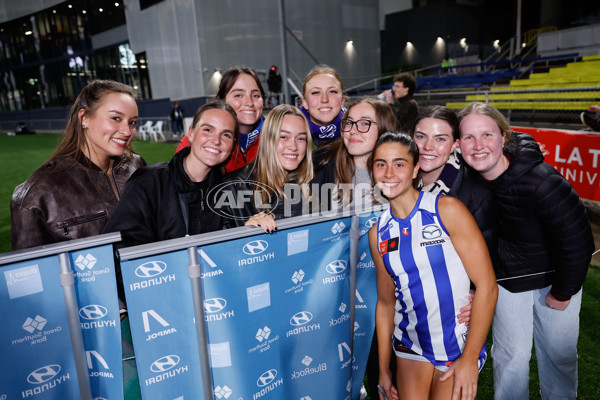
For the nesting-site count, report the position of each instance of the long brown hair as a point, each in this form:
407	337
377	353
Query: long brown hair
267	168
344	162
90	98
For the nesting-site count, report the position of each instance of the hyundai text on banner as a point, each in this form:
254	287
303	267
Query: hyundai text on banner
277	313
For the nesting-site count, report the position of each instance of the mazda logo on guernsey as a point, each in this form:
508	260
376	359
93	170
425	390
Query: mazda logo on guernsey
164	363
151	269
336	267
214	305
43	374
93	311
255	247
267	377
431	232
301	318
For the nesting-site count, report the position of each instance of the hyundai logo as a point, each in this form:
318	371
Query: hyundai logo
43	374
93	311
301	318
267	377
164	363
431	232
336	267
255	247
150	269
370	222
214	305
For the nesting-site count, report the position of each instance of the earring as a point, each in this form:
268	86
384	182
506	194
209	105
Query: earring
84	126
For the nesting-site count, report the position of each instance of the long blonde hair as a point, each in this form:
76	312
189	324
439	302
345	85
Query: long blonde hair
267	168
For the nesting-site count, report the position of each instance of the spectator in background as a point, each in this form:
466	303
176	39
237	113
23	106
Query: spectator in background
240	87
590	118
177	119
73	195
545	244
400	97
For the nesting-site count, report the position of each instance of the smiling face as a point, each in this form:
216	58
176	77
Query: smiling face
246	100
360	145
323	98
394	169
436	143
291	146
481	144
212	141
110	128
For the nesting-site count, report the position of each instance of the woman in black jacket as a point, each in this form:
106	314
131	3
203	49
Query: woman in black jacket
545	245
168	200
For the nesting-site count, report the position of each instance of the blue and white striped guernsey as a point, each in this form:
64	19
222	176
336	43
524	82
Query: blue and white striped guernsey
431	282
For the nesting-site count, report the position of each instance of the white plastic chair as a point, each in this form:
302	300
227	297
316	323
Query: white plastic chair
156	131
143	131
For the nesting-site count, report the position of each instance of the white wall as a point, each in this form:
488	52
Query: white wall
584	40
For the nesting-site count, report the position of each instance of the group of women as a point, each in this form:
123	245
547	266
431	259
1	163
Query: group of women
428	246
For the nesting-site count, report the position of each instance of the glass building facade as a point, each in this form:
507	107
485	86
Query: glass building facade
46	58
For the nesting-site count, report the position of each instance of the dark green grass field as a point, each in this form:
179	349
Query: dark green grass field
21	155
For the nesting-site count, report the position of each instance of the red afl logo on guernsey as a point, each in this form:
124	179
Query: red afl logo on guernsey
388	245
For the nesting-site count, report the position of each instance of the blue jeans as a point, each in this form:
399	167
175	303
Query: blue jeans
520	319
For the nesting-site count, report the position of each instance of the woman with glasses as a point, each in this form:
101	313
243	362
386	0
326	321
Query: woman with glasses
344	161
240	87
275	185
322	103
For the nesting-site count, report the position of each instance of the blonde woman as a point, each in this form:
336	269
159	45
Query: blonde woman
277	180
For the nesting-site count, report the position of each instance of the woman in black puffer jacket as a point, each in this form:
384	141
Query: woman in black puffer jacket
545	245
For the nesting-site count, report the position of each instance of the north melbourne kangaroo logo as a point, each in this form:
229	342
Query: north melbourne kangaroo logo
255	247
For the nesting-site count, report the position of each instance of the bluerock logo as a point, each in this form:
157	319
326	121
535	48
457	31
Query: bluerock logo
85	262
301	318
263	334
151	269
431	232
307	360
93	311
266	378
255	247
298	276
227	197
31	325
338	227
165	363
222	392
43	374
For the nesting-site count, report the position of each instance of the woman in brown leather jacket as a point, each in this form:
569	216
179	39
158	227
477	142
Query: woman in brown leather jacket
75	192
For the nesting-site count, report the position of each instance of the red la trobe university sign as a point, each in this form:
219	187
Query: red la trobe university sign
576	155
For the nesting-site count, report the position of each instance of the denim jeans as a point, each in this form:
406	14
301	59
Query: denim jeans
520	319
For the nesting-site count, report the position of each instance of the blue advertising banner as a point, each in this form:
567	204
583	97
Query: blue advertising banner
366	301
35	343
99	315
161	316
277	309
